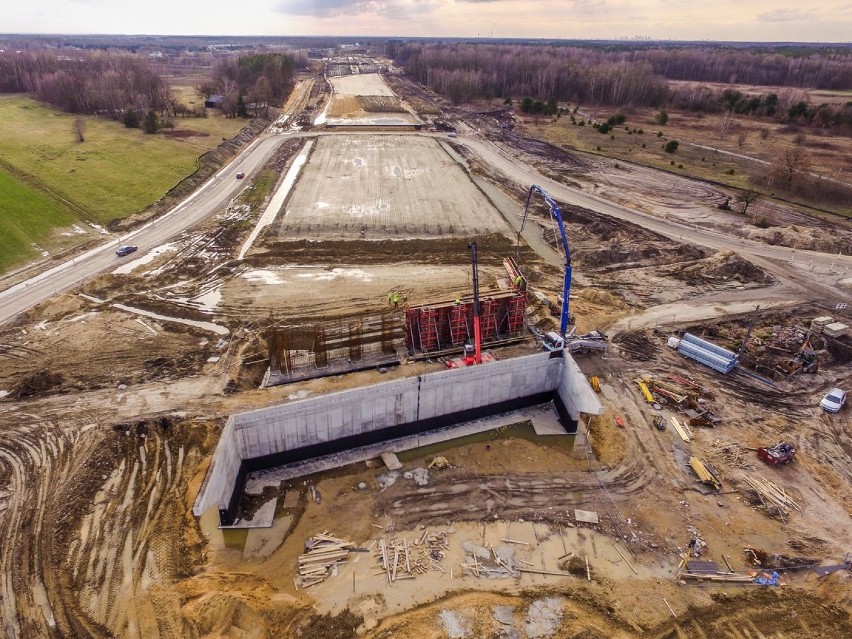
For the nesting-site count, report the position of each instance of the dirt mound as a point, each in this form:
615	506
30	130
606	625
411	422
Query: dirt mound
614	254
224	614
807	238
39	382
56	308
438	251
600	241
601	297
726	265
607	442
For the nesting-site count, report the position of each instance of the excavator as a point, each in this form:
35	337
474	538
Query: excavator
805	361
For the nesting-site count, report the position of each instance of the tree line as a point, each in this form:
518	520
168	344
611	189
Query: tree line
87	82
829	69
597	76
464	72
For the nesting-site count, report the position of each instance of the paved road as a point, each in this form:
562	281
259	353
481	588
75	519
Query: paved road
207	200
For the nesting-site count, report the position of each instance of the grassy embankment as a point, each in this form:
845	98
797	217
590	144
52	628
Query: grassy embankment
27	218
57	181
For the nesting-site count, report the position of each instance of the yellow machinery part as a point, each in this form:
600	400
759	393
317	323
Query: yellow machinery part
646	393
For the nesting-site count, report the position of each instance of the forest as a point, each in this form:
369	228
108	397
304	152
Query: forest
86	83
115	83
636	77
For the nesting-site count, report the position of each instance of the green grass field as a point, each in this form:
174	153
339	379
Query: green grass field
115	172
27	217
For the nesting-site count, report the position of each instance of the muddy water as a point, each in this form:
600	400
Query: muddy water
520	430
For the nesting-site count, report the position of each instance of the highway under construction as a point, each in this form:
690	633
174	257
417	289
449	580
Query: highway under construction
276	423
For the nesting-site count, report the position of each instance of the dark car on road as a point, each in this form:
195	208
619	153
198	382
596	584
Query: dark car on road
240	175
126	250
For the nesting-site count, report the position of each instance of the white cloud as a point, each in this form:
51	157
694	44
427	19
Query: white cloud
786	15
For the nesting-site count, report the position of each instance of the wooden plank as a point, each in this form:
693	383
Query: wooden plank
679	428
545	572
625	559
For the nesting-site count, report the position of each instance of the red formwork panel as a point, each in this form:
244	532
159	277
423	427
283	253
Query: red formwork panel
443	326
458	324
516	310
428	331
488	310
412	327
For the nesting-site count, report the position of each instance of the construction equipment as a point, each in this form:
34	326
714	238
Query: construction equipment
553	342
643	387
780	453
556	214
473	352
805	361
477	331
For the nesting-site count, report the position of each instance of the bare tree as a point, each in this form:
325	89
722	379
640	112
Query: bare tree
748	198
725	123
260	95
79	129
791	168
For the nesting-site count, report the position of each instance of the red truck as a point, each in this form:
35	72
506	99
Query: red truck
781	453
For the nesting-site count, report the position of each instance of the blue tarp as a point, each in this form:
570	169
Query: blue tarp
772	580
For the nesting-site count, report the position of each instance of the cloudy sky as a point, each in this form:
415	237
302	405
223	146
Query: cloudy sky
751	20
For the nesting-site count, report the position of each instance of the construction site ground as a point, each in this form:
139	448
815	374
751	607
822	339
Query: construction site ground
113	395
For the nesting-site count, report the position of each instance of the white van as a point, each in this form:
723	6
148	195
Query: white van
553	342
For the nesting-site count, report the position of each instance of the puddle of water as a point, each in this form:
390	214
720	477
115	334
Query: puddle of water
262	542
209	300
520	430
210	326
235	538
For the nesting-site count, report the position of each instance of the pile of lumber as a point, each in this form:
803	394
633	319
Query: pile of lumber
323	553
709	571
733	453
771	494
495	567
405	559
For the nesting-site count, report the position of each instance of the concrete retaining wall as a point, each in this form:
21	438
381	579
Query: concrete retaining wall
279	434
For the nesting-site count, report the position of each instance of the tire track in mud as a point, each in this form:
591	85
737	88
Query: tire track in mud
91	517
537	497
